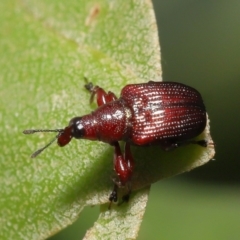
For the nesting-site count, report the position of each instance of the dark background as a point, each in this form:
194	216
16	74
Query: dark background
200	43
200	46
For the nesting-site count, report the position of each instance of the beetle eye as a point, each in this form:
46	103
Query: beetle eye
77	127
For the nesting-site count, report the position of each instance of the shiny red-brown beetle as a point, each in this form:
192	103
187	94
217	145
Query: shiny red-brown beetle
168	114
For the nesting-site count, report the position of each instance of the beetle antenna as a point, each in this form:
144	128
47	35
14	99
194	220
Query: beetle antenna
35	154
31	131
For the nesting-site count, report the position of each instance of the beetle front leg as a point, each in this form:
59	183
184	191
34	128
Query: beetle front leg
123	166
102	96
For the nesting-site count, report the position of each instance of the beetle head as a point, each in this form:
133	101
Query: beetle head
74	129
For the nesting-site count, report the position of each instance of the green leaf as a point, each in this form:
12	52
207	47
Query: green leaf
46	48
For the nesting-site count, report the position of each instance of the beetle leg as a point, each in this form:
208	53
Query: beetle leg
169	146
123	166
126	197
130	162
202	143
101	95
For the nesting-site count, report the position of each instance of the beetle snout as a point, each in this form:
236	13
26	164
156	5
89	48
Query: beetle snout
65	137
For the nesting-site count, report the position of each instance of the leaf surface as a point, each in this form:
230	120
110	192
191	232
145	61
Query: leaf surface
47	47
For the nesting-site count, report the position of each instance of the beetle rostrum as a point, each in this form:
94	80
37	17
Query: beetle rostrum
167	114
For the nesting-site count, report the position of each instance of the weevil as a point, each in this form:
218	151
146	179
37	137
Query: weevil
167	114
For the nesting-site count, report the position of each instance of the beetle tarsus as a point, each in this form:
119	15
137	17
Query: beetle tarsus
202	143
170	146
89	86
101	96
113	196
126	197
